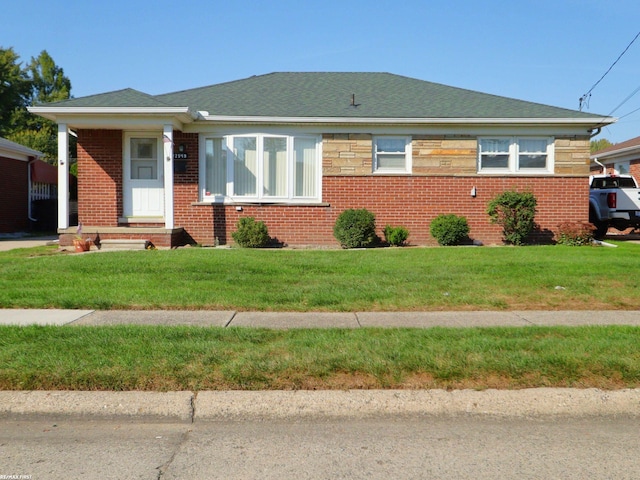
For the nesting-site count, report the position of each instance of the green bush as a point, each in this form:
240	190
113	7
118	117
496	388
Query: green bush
395	236
355	228
515	213
251	234
449	229
575	233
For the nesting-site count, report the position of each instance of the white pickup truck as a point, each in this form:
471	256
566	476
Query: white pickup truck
614	201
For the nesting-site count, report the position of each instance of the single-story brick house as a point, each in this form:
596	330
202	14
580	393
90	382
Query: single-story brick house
25	180
621	158
296	149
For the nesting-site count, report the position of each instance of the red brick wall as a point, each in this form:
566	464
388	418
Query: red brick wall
185	189
99	177
14	195
634	169
410	201
401	200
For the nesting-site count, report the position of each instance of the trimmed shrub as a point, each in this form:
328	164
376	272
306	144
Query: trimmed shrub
355	228
395	236
449	229
515	213
251	234
575	234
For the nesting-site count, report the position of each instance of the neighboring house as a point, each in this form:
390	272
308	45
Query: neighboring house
621	158
25	181
296	149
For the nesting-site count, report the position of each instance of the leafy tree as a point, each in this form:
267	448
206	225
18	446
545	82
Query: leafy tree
48	84
15	88
601	144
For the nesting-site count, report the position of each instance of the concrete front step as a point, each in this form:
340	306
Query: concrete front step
132	244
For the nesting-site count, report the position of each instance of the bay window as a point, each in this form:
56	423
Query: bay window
262	168
527	155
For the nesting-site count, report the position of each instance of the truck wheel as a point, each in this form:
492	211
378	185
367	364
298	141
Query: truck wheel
601	227
601	230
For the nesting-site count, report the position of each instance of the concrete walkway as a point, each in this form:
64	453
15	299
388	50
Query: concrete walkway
228	318
13	241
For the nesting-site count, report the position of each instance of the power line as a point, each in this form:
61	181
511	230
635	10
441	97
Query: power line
584	98
625	100
627	114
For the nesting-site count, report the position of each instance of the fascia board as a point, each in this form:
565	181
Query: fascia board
14	155
414	121
624	152
18	152
184	114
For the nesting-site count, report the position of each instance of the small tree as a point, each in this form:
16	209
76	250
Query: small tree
515	213
355	228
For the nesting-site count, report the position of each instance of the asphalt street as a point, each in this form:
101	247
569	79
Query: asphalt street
380	447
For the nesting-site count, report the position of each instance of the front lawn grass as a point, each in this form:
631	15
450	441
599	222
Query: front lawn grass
387	279
166	358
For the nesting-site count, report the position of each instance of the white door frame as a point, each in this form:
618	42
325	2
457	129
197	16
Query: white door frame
143	199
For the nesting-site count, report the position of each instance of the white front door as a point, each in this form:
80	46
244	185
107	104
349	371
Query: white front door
143	181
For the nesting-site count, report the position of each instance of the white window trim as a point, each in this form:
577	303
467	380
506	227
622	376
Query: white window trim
408	152
229	196
513	166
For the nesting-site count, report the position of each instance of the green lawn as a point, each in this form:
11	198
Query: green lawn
193	358
386	279
392	279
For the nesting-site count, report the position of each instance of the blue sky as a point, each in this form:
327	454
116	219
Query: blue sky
545	51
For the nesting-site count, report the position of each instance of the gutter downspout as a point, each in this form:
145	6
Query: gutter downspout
29	163
604	169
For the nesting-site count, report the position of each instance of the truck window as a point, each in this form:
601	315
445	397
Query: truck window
613	182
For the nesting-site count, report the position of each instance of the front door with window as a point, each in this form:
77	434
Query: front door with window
143	178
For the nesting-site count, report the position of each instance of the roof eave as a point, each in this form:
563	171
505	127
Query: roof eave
184	114
617	153
588	122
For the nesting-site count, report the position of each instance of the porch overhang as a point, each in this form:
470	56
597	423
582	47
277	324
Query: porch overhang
117	118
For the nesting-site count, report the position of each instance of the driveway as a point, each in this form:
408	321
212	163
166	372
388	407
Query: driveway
10	241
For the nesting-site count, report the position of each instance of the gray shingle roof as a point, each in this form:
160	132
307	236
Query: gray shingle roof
127	97
314	94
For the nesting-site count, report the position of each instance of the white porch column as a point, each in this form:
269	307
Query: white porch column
167	140
63	176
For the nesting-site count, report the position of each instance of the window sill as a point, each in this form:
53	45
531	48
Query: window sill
262	204
391	172
516	174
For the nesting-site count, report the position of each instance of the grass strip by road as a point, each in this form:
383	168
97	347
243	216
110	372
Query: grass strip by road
163	358
383	279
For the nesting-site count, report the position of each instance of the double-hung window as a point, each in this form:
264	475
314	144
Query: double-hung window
392	154
262	168
527	155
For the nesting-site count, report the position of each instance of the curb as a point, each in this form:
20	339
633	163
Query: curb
174	406
190	407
